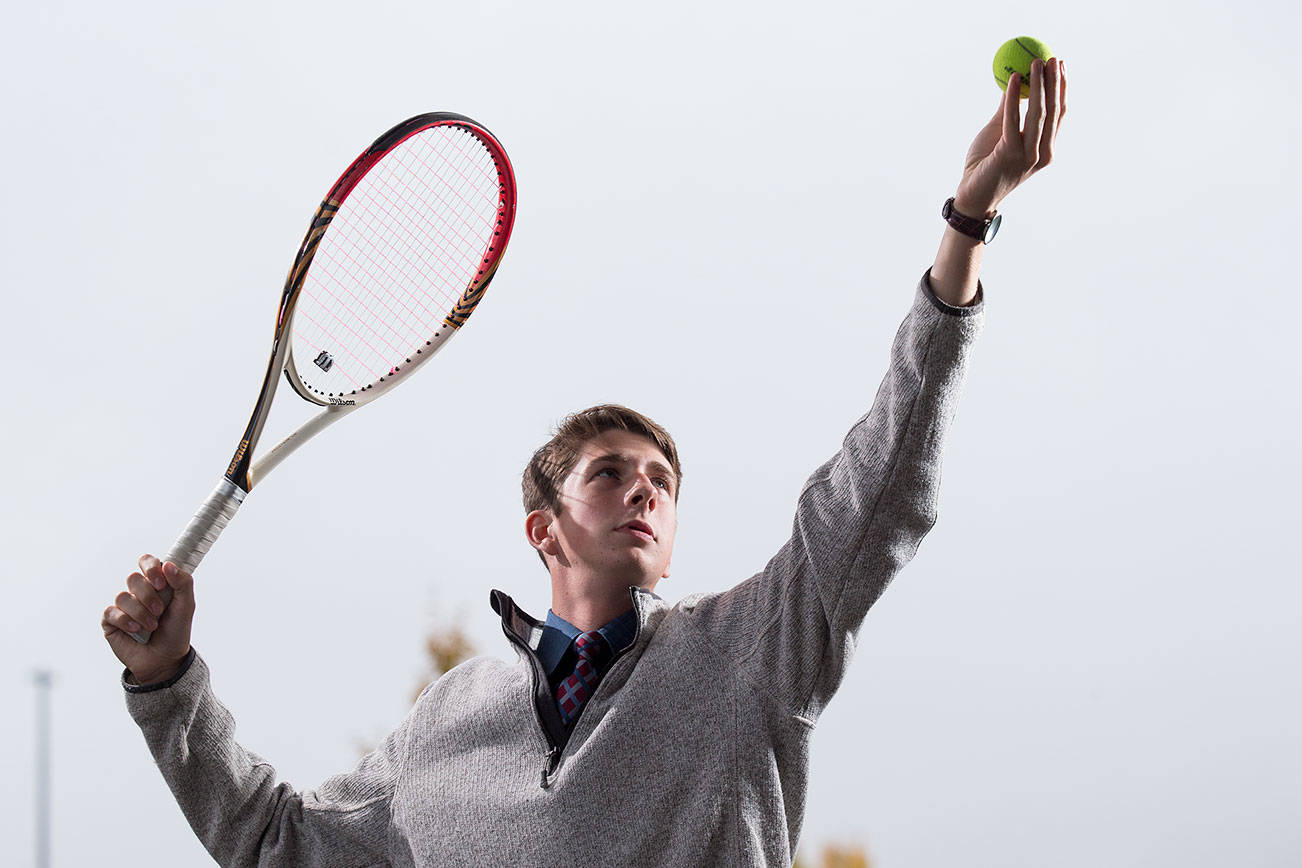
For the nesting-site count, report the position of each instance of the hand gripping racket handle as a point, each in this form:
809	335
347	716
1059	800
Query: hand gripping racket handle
199	535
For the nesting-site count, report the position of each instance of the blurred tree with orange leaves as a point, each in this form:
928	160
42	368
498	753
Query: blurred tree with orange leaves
446	646
837	856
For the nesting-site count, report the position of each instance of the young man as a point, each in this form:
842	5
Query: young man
630	731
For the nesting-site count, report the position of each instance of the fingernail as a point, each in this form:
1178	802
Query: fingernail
169	569
133	627
159	582
156	608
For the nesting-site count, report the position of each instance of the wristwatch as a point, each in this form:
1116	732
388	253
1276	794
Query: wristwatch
982	230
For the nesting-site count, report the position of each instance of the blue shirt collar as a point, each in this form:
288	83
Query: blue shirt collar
558	634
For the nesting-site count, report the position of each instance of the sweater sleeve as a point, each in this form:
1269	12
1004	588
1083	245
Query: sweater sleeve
231	797
791	629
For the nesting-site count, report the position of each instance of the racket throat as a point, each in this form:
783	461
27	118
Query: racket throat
305	432
237	472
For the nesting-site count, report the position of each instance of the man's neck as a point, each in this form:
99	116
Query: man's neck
590	608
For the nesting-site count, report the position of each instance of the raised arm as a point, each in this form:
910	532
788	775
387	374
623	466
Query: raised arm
861	516
1003	155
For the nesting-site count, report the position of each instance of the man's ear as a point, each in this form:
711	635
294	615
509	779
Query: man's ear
538	530
665	574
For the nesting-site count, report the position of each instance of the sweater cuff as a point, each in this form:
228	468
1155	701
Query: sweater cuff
132	687
969	310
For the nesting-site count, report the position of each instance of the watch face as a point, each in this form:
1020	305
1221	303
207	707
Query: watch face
993	229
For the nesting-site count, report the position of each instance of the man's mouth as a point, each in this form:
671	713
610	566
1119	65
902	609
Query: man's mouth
639	528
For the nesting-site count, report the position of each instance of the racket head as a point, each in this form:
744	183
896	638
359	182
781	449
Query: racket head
397	257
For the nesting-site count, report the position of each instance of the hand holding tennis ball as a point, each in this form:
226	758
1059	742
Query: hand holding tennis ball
1010	148
1017	55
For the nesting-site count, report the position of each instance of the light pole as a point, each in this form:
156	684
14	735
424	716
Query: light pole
43	678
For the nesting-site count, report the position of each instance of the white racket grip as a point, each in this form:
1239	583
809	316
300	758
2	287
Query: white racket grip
199	535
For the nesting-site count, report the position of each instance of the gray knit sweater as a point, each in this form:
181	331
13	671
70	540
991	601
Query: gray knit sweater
694	750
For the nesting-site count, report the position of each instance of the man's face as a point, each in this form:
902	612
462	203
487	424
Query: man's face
618	515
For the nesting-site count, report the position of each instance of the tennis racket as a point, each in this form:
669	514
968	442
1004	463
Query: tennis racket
393	264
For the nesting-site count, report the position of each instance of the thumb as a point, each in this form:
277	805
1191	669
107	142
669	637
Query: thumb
182	586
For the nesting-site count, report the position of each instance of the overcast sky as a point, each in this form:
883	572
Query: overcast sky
724	209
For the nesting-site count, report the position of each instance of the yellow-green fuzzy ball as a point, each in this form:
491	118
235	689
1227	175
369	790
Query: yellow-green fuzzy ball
1016	55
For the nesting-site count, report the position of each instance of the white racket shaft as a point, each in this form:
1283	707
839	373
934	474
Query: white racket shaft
199	535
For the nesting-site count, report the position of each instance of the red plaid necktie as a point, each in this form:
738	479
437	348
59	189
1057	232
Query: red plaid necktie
575	689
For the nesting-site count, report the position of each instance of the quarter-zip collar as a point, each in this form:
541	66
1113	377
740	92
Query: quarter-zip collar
521	626
525	632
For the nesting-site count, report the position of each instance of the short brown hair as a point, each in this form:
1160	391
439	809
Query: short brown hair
542	480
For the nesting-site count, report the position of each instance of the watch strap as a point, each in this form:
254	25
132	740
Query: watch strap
974	227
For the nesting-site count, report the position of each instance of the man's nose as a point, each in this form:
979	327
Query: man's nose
641	489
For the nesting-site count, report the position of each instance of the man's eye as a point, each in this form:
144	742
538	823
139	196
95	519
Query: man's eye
607	470
663	483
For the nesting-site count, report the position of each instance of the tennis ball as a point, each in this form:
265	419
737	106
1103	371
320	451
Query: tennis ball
1016	55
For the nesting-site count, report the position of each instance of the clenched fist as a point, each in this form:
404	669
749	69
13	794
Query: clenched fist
140	606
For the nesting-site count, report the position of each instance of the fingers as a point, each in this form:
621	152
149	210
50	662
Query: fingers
140	602
115	620
1034	117
1053	95
145	589
152	568
1062	90
147	596
1013	109
166	578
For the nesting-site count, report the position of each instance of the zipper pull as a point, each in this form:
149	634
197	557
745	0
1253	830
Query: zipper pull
550	761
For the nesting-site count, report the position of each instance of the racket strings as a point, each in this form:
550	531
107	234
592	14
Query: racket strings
402	253
457	242
405	245
463	243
